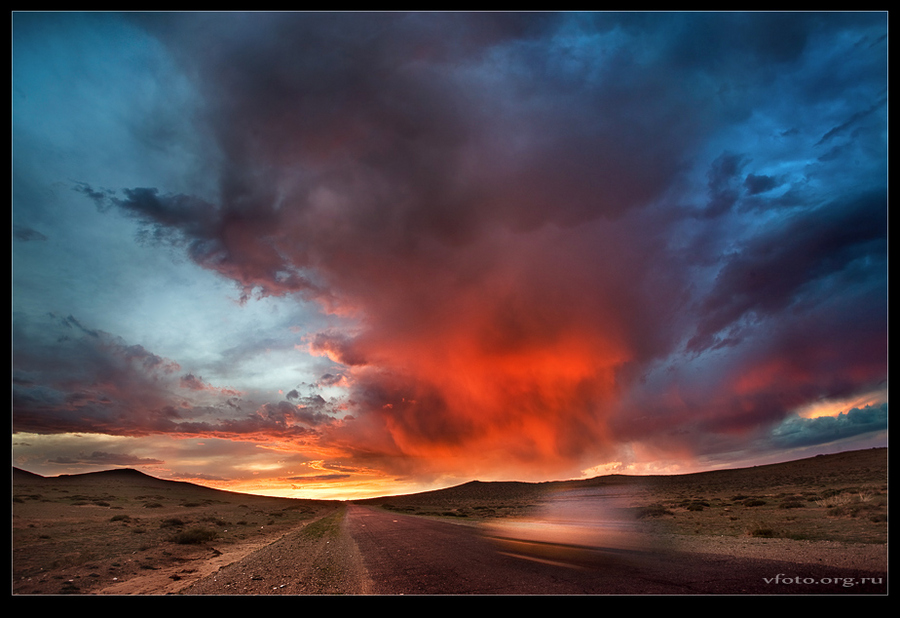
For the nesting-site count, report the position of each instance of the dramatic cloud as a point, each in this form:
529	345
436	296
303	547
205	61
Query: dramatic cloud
804	432
509	245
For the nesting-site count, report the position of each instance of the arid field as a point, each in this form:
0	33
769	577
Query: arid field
123	532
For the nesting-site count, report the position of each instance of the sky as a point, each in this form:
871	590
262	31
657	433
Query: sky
340	255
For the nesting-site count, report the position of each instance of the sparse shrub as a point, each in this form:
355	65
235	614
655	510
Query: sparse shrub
762	532
152	505
172	522
194	536
122	517
834	499
791	504
695	506
653	510
754	502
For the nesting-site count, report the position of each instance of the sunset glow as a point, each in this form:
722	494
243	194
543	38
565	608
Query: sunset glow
338	255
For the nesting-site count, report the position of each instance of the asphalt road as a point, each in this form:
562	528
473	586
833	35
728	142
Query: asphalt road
419	556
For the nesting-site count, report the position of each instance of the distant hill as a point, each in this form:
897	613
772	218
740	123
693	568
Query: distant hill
848	467
119	477
20	475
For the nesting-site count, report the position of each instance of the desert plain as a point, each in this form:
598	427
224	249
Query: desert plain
122	532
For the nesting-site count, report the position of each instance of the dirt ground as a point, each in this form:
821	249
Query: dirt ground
125	533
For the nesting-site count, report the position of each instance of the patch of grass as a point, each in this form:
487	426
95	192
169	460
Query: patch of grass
326	526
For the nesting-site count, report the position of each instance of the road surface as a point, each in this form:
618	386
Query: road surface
369	551
415	555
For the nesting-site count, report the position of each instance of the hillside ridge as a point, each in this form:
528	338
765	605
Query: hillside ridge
819	464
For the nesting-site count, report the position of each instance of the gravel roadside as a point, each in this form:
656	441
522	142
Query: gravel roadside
868	557
320	559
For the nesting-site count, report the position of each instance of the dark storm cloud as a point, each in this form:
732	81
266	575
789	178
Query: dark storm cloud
93	382
520	215
413	165
338	347
428	135
310	411
784	265
759	183
854	121
239	245
724	189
